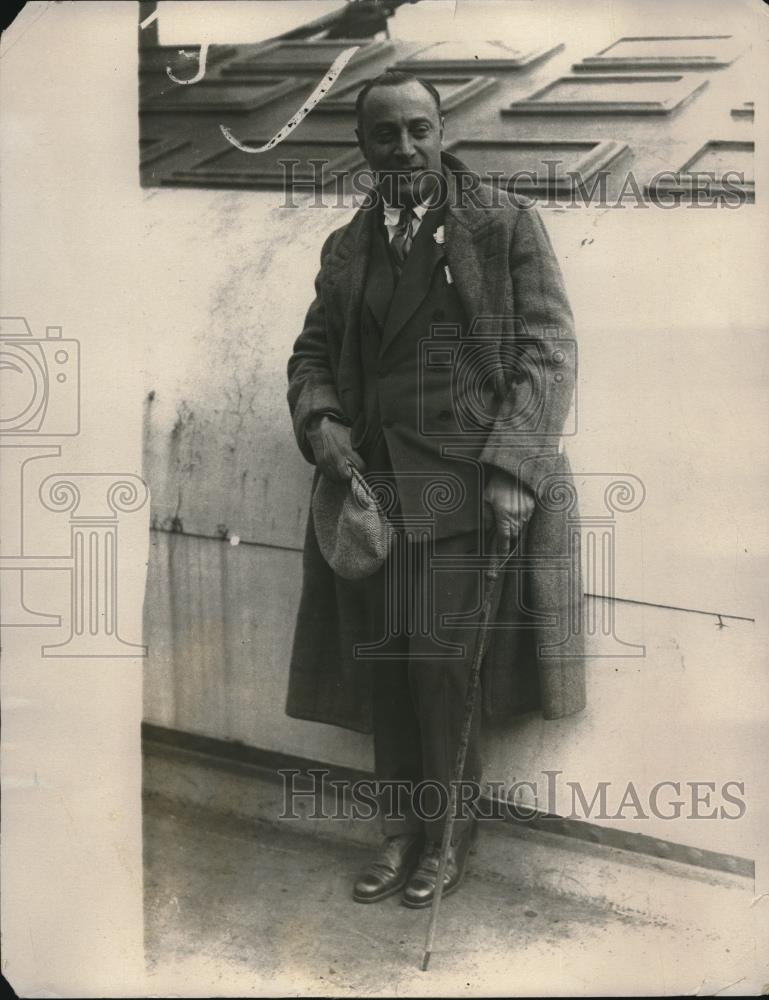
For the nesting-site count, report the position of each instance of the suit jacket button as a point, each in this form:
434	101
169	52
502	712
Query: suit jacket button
387	423
438	315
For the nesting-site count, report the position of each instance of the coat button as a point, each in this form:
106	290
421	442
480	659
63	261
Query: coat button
387	423
438	315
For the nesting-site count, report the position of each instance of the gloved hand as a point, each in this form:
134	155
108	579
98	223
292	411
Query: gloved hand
510	504
330	443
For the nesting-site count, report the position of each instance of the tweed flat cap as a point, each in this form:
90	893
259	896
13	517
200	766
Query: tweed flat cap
353	533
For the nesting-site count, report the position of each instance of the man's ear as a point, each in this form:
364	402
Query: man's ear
443	124
361	144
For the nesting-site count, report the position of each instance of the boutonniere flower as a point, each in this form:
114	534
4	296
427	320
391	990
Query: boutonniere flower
440	238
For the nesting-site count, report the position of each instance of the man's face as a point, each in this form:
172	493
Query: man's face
402	133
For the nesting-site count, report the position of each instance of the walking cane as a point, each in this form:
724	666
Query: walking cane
492	579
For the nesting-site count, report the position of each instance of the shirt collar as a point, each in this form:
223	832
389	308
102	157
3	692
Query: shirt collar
392	215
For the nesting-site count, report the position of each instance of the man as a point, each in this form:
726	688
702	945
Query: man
467	439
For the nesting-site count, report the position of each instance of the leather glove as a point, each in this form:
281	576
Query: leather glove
330	443
510	504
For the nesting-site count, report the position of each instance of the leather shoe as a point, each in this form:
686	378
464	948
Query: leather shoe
387	873
421	886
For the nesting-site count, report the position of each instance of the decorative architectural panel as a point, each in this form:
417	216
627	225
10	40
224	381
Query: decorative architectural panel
183	59
641	94
474	56
151	150
289	164
720	166
745	110
538	166
454	90
310	56
665	52
218	95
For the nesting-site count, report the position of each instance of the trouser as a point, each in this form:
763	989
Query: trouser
420	667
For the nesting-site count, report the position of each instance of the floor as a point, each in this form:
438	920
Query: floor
236	908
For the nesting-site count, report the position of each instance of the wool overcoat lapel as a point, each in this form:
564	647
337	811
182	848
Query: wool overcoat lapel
476	244
380	281
346	283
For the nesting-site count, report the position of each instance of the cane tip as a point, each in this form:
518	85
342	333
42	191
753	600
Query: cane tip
425	961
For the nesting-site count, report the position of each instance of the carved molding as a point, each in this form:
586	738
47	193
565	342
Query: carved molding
744	110
581	158
230	167
709	165
153	61
218	95
460	89
472	56
664	52
152	150
308	56
626	94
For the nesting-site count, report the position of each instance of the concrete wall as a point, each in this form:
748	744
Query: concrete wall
671	313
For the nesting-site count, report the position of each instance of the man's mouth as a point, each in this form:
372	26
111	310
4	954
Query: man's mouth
397	183
403	171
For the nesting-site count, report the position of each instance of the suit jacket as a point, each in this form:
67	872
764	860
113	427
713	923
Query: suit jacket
508	404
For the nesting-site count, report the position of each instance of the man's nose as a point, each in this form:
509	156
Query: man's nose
405	148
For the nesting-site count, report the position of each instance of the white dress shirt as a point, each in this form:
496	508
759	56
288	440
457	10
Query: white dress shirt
392	218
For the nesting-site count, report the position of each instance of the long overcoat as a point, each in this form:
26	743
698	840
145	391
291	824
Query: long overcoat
510	285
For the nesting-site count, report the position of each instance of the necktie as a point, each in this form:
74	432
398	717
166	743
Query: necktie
403	237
